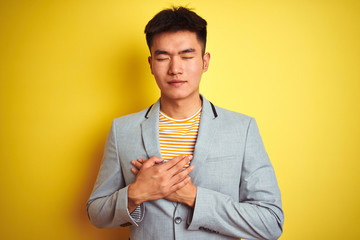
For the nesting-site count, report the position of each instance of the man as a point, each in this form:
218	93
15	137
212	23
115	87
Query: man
184	168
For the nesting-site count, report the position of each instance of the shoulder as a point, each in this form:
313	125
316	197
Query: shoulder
232	116
130	119
235	122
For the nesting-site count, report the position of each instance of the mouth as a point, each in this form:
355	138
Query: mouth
176	82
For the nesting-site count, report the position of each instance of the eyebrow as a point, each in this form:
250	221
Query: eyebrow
159	52
189	50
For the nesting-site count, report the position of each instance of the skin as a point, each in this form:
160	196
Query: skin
186	194
155	181
177	64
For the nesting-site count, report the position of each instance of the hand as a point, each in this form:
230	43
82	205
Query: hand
138	164
158	181
186	194
140	161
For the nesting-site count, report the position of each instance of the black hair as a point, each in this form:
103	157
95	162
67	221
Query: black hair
176	19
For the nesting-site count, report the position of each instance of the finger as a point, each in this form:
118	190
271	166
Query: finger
176	160
136	164
179	166
141	160
180	184
169	164
181	175
152	161
134	171
159	160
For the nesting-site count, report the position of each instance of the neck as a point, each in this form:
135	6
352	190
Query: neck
180	109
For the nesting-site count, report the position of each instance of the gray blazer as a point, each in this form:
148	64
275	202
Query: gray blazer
237	192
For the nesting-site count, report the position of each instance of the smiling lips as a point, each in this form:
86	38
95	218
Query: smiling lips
176	82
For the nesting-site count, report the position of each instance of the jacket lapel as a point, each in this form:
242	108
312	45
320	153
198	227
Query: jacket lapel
209	124
150	131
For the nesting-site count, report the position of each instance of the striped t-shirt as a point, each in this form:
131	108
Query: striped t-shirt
178	137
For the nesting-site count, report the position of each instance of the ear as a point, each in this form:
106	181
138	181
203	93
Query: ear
150	61
206	60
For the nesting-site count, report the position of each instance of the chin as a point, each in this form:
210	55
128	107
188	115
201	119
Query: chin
174	97
178	96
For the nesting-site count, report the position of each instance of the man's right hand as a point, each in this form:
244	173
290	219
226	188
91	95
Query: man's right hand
154	181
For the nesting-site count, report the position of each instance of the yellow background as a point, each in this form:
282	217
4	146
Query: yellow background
67	68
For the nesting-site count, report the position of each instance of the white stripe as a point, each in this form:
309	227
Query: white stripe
178	137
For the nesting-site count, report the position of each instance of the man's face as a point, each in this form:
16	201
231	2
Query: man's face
177	64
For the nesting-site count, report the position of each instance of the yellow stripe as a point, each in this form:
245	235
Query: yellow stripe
177	151
169	146
178	137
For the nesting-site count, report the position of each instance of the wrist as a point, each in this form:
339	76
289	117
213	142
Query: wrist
133	197
190	201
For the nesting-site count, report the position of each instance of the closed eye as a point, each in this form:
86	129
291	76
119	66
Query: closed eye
161	59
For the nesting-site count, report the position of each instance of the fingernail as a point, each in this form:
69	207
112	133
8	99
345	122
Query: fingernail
190	157
191	167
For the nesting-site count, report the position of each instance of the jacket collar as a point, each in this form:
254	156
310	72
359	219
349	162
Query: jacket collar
156	107
207	130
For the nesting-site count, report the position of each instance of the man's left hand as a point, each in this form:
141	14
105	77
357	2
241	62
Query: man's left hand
186	195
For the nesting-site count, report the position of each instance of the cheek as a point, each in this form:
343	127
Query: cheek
159	70
159	75
196	69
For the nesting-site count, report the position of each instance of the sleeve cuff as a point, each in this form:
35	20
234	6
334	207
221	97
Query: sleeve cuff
138	214
201	217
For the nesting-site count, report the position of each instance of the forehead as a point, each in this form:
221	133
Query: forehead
175	41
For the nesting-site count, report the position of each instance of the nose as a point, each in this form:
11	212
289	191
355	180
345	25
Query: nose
175	66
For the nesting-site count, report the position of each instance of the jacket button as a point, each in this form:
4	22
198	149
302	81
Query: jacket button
178	220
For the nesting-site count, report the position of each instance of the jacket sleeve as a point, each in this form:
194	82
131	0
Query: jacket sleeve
107	206
258	213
